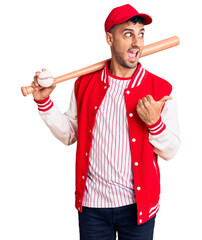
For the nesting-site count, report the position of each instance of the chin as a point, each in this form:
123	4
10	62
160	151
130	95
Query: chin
132	65
126	63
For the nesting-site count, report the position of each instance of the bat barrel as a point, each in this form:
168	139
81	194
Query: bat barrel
160	45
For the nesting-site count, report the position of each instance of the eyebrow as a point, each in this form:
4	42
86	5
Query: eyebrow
130	29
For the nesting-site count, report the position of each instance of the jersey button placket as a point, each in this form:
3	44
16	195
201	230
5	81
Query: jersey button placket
140	214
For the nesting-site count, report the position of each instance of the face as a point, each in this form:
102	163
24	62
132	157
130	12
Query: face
126	42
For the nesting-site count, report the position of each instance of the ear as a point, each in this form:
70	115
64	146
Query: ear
109	38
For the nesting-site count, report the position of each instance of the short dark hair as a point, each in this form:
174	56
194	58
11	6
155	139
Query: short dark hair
135	19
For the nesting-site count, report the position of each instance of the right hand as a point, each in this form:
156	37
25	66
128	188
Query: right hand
40	94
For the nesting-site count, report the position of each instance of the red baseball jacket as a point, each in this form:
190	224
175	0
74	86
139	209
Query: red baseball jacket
90	91
146	142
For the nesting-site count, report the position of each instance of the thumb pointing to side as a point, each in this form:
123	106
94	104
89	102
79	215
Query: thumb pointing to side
164	99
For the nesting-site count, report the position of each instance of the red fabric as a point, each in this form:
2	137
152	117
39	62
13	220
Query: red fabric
47	108
90	92
44	105
42	101
123	13
157	127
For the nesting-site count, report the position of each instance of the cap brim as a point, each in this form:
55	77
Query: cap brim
147	18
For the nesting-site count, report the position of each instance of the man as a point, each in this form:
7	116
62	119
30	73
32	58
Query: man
122	117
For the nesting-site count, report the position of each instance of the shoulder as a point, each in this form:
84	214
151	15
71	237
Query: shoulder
160	84
82	81
88	77
158	80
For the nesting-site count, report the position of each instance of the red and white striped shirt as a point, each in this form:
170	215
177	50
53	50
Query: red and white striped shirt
110	180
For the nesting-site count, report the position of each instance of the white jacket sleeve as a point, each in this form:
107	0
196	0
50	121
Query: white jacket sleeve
165	134
62	125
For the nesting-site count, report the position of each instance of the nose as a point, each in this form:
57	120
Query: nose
135	41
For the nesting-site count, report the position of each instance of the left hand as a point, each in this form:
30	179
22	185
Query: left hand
149	110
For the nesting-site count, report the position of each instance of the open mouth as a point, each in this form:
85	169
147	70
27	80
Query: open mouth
133	54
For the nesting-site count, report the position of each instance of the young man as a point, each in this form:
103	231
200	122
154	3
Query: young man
123	118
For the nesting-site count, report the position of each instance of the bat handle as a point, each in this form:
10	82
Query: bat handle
28	89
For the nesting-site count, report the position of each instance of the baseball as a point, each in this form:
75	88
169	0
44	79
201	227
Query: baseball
45	79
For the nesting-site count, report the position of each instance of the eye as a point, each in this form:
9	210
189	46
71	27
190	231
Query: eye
128	34
141	35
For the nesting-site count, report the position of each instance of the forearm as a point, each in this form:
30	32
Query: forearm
164	141
165	134
62	126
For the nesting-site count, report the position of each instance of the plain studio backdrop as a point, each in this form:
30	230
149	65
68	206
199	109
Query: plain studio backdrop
37	172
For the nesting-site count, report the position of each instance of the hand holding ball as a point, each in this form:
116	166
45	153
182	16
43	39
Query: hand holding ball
45	79
43	84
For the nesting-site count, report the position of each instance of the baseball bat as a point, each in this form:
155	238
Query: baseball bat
147	50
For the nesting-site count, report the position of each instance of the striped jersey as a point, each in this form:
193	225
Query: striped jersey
110	180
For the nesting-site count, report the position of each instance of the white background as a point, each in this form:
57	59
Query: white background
37	172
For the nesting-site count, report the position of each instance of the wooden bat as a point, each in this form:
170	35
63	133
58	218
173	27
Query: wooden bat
147	50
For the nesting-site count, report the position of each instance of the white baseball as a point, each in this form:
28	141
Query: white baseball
45	79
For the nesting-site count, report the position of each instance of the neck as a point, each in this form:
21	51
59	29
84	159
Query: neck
120	71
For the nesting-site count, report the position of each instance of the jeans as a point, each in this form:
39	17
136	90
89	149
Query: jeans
107	223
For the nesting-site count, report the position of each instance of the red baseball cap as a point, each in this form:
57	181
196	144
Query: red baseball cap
123	13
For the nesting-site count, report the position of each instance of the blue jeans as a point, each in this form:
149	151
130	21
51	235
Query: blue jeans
105	223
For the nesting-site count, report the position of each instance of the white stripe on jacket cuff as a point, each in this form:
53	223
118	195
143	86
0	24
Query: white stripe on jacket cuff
157	128
44	105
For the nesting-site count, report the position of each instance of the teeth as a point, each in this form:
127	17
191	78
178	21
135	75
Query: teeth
132	55
134	52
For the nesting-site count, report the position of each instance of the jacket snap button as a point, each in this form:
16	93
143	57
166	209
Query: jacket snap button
133	140
128	92
95	107
136	163
138	188
130	114
140	221
83	177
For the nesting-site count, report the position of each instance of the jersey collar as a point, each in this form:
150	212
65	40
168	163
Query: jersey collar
135	80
